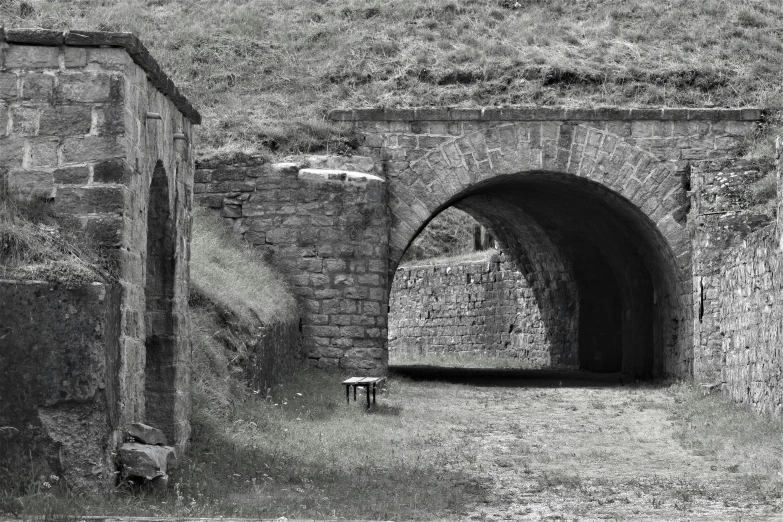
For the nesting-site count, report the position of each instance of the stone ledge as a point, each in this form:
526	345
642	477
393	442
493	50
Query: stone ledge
322	175
185	519
547	114
130	42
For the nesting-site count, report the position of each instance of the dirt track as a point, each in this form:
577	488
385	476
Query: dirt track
587	451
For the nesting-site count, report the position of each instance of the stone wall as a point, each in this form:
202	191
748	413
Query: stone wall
89	123
59	393
738	287
750	318
721	218
482	308
323	221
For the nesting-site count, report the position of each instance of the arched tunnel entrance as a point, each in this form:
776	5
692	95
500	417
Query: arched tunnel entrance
600	273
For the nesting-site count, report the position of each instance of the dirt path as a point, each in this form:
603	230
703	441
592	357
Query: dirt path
588	453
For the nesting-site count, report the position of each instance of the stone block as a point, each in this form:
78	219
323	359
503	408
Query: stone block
89	200
146	461
32	57
110	119
93	87
146	434
330	352
92	148
65	120
72	176
28	184
281	235
358	332
24	121
202	176
75	56
108	56
43	152
9	86
12	152
111	171
37	87
104	229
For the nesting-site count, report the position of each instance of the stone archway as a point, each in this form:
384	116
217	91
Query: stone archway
630	310
608	188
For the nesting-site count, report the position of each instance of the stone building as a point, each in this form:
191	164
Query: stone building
90	123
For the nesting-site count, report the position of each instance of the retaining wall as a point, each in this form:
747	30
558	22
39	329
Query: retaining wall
482	308
328	230
59	386
751	323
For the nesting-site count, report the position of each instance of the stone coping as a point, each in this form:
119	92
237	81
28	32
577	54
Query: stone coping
130	42
336	175
76	518
546	114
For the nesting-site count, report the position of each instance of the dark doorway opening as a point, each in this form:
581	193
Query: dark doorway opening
160	345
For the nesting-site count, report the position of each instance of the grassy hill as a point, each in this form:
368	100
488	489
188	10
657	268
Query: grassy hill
264	73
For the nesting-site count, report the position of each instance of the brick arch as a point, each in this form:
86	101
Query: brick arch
455	166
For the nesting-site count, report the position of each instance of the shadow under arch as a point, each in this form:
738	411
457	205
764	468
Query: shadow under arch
160	388
609	282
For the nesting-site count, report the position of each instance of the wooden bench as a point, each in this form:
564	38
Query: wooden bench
364	382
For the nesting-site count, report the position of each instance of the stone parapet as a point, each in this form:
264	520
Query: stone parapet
546	114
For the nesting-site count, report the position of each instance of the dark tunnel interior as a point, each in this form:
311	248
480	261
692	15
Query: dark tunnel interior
602	274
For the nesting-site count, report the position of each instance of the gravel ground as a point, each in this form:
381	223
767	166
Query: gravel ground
596	451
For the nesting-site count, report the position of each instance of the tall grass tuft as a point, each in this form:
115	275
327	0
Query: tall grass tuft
38	244
231	274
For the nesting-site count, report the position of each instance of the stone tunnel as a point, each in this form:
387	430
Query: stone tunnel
591	206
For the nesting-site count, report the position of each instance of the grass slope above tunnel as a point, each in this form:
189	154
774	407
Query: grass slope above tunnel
264	74
606	283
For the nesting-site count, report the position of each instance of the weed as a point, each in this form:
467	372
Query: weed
38	243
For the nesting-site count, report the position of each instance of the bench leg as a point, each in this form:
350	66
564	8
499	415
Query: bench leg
373	393
354	393
348	393
368	395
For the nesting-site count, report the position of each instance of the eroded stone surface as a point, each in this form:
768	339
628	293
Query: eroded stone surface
58	348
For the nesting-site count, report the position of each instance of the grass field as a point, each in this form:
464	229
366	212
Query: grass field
463	447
